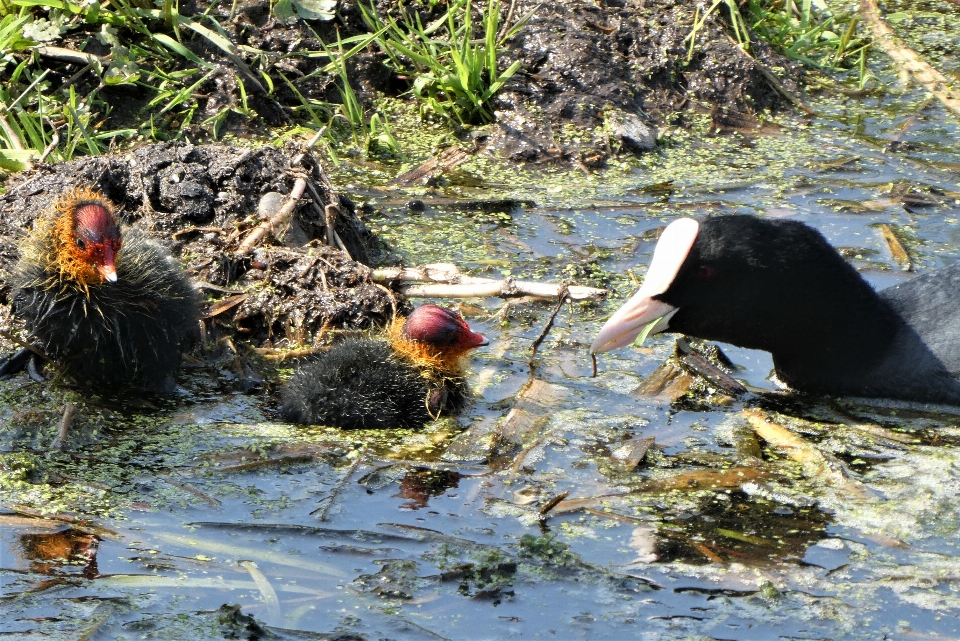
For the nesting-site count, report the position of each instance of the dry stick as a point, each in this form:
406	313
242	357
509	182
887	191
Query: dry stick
70	55
897	249
280	356
279	219
68	411
546	328
13	339
443	280
54	141
552	503
189	489
322	511
920	70
329	212
814	463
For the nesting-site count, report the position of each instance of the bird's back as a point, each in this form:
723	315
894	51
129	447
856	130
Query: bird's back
363	384
930	304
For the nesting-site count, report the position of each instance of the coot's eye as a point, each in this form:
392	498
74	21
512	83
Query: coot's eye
704	271
81	244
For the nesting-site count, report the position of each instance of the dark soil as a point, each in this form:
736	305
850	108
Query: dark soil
201	202
581	61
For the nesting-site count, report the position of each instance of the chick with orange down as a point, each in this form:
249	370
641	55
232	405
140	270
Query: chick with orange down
411	377
102	301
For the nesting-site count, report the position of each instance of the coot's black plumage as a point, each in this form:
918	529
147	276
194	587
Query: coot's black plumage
778	286
406	380
105	303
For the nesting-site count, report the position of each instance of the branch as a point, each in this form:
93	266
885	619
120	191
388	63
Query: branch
285	214
443	280
920	70
277	221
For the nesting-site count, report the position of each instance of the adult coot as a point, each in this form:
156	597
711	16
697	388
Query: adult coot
777	285
407	379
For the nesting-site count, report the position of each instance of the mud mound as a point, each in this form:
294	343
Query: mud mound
583	61
201	202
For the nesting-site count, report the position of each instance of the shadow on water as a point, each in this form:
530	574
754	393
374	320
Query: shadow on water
603	515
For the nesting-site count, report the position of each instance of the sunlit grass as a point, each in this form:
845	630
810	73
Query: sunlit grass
454	75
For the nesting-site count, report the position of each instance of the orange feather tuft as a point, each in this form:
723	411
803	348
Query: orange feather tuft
67	258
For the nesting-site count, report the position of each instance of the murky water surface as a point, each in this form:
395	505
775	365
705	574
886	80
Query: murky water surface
208	505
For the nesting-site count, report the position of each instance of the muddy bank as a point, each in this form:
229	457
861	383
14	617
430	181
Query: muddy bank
617	70
201	202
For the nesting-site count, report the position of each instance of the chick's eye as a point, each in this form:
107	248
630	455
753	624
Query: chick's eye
704	271
81	244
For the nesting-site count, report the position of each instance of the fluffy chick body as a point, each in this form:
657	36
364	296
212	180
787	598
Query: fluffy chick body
363	383
412	376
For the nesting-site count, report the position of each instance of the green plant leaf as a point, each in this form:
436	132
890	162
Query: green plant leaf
644	333
175	46
316	9
284	12
122	72
41	31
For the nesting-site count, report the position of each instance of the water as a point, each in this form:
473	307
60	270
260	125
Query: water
714	535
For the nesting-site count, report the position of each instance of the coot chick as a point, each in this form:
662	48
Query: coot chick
778	286
106	304
406	380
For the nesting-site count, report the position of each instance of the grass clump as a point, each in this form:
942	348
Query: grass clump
456	75
804	30
808	32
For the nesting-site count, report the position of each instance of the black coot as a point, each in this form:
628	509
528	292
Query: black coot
778	286
109	306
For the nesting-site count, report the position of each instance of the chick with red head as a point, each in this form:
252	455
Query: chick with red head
106	304
413	376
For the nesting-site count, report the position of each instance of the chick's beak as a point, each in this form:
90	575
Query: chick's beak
478	340
108	269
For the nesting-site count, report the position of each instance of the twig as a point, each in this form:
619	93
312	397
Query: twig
278	220
70	55
190	489
282	217
920	70
54	141
280	356
814	463
552	503
321	512
330	212
13	339
563	295
444	280
68	411
84	525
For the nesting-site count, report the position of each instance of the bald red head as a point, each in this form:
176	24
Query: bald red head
97	237
442	328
